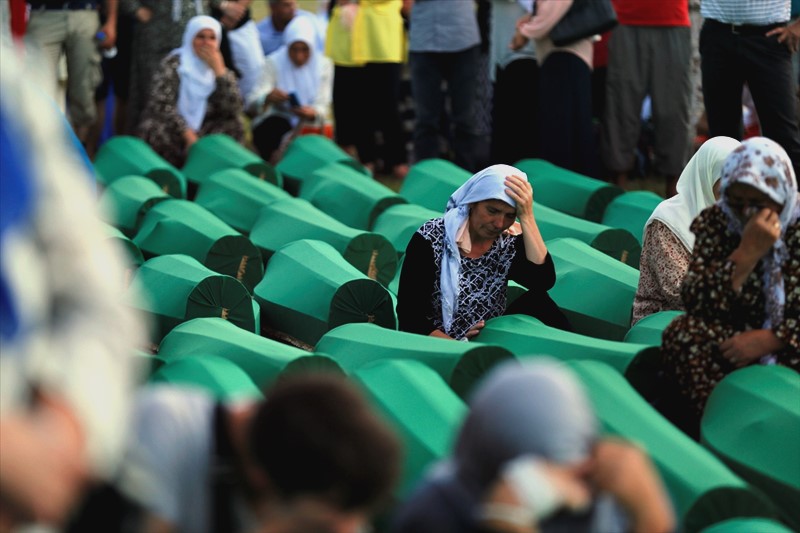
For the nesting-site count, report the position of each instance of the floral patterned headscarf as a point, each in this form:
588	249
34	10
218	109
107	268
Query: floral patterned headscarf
764	165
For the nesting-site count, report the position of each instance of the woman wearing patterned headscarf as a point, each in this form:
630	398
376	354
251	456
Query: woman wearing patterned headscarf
456	268
742	290
193	95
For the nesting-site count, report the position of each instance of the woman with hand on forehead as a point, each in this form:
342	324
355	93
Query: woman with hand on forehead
742	290
456	268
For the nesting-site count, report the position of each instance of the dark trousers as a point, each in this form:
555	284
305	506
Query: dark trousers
268	134
459	70
365	103
565	132
514	111
729	60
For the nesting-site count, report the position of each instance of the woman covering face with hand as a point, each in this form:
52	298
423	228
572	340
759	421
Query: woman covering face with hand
456	268
742	290
193	95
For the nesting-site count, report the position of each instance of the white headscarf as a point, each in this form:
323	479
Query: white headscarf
695	189
488	184
198	80
764	165
304	80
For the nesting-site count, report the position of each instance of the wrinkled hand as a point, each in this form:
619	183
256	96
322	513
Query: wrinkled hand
212	57
475	330
521	192
748	346
789	35
760	233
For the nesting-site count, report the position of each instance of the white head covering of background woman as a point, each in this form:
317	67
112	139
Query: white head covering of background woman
488	184
305	79
198	80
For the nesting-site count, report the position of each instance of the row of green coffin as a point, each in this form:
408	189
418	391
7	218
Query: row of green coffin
406	377
125	155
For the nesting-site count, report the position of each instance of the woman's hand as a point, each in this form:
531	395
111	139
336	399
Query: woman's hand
276	96
475	330
212	57
305	112
189	137
522	193
758	236
748	346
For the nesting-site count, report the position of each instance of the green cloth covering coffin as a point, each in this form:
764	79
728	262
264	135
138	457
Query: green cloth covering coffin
649	329
236	198
631	210
399	223
124	155
306	154
126	201
263	360
752	422
219	376
292	219
703	490
594	291
430	183
747	525
177	288
131	254
309	288
183	227
524	335
421	407
459	363
215	152
567	191
349	196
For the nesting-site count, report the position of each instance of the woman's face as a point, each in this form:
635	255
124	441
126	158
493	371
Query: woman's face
489	218
746	201
299	52
204	38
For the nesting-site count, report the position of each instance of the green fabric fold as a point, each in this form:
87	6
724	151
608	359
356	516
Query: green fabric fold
649	329
216	375
126	201
631	210
430	183
399	223
131	254
307	153
747	525
216	152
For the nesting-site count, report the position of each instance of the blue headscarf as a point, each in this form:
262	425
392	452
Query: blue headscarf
488	184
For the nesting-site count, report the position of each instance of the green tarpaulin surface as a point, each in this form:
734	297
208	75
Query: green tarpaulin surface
221	377
236	198
212	153
459	363
631	210
124	155
649	329
752	422
263	360
306	154
177	288
703	490
567	191
126	201
747	525
399	223
309	288
292	219
183	227
131	253
430	183
421	407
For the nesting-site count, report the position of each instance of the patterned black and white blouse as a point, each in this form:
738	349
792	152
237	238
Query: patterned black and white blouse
482	283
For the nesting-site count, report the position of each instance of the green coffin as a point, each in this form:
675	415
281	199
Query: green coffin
399	223
292	219
567	191
614	242
236	198
430	183
263	360
131	254
177	288
524	335
124	155
594	291
703	490
309	288
212	153
631	210
747	525
222	378
421	407
649	329
458	363
348	196
306	154
183	227
752	422
126	201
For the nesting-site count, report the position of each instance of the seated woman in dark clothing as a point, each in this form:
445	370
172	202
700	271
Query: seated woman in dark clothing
742	290
456	268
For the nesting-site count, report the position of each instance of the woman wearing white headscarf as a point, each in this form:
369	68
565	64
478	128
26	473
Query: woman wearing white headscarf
742	290
193	95
668	241
529	458
456	268
295	85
